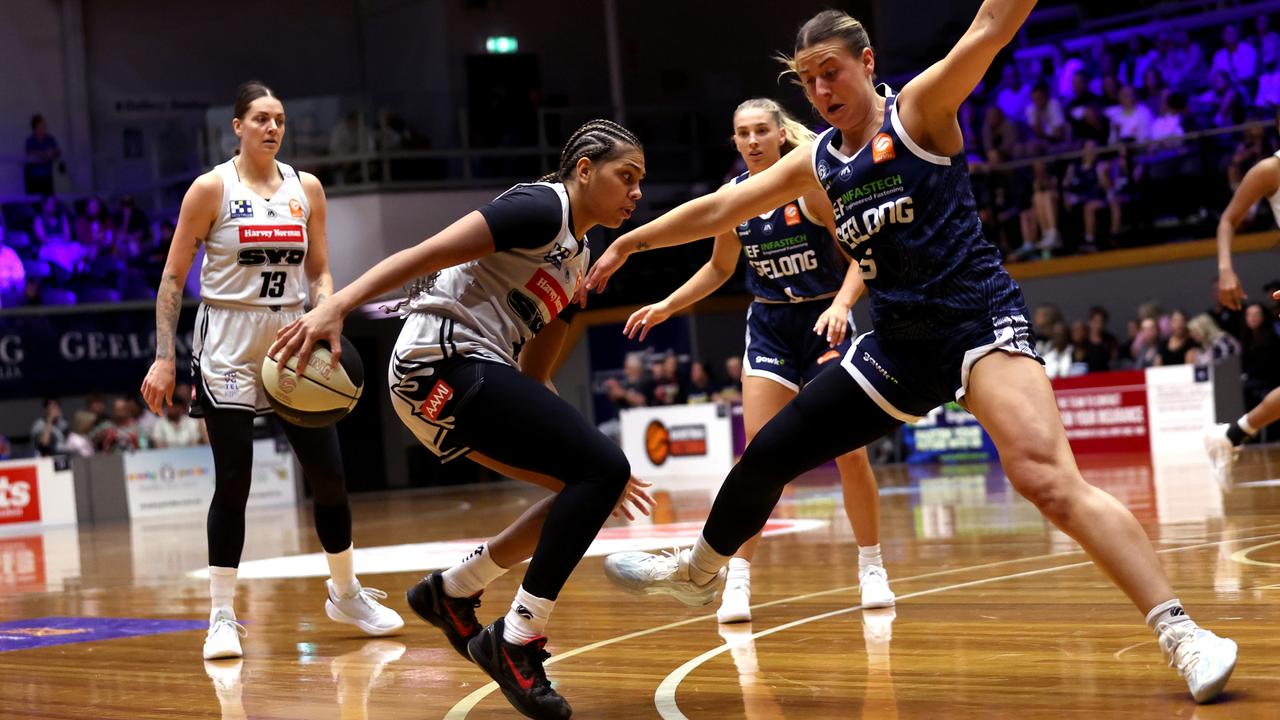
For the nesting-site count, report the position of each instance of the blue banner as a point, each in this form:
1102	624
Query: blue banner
63	353
948	434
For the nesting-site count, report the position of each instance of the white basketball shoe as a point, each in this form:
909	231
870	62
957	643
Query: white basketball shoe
873	583
666	574
223	638
735	604
1222	454
1203	659
360	607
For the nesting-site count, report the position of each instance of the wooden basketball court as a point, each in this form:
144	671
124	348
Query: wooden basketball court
998	614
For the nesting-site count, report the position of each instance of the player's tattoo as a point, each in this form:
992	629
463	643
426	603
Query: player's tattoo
168	307
642	245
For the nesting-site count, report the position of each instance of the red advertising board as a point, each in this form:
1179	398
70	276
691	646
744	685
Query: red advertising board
1105	412
19	494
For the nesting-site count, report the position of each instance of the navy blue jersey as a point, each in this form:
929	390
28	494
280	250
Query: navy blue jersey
908	218
790	255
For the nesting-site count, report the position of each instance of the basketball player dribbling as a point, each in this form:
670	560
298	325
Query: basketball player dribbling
1222	441
949	323
492	282
266	253
798	324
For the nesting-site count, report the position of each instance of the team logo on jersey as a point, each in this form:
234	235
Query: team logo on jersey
295	208
241	209
823	169
233	382
557	256
767	228
882	148
846	172
271	213
271	256
791	214
526	308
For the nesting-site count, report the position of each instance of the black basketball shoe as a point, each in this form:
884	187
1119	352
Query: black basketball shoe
456	617
519	672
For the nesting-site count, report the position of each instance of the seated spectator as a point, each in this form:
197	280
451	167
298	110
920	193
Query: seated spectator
78	442
13	274
1094	125
92	227
176	428
1146	346
121	433
1251	148
131	225
1268	96
1260	361
1082	190
701	389
1153	89
1237	58
1130	120
1045	119
1101	349
1079	341
49	432
1179	345
1044	205
1268	41
999	132
666	388
96	403
1183	63
1224	102
1171	123
1212	345
732	390
1011	95
51	222
1081	98
1043	318
1140	63
1059	356
634	390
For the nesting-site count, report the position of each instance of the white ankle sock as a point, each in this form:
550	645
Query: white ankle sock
1243	422
222	587
342	571
705	563
869	556
739	569
527	618
472	575
1169	611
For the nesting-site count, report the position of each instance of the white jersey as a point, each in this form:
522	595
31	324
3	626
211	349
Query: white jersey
492	306
256	248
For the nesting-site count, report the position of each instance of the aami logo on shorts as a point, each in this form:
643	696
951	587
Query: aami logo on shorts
791	214
439	395
19	496
545	288
271	233
680	441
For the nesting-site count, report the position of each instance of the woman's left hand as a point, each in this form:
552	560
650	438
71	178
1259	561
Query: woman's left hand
638	498
833	323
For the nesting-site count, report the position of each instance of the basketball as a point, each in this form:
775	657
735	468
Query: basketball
322	395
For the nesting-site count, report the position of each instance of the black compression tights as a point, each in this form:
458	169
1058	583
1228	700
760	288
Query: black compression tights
231	437
831	416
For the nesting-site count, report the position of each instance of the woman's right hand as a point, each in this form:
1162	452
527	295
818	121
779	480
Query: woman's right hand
157	386
1230	294
643	320
323	322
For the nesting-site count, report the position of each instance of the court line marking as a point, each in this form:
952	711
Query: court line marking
465	705
664	698
1242	556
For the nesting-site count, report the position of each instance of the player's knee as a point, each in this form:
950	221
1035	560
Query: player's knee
1043	477
615	472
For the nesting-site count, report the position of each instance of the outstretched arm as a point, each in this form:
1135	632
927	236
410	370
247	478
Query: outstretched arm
1262	180
712	214
713	274
928	104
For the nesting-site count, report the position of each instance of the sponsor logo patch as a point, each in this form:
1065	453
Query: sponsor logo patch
548	290
435	401
882	148
19	495
271	234
241	209
792	214
295	208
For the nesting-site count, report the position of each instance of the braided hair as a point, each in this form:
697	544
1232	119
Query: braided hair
596	140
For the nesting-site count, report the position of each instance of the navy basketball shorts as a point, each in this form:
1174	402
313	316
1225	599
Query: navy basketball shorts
782	346
909	378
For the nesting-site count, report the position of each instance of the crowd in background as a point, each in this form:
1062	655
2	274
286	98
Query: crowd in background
663	380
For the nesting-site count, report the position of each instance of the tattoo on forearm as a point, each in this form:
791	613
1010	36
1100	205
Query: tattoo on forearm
642	245
168	307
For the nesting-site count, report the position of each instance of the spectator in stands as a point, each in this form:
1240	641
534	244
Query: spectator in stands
78	442
1130	120
96	403
1268	95
1045	199
1102	348
49	431
1260	362
1140	63
1178	346
667	389
701	388
1059	354
1224	102
999	132
1236	57
633	391
1083	192
1081	100
1094	125
1212	345
732	390
1231	321
1043	318
1183	64
176	428
143	416
13	273
1146	346
1171	124
1153	90
1251	148
121	433
41	153
92	227
1079	340
1268	41
1012	96
1045	119
52	223
132	225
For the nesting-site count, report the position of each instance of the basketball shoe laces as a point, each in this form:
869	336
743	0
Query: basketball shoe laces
369	597
530	660
1182	651
235	626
